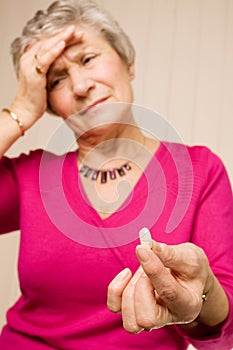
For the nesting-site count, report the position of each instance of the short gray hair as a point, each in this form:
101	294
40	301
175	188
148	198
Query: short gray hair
64	12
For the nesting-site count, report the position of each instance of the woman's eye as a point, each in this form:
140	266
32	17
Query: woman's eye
56	82
87	59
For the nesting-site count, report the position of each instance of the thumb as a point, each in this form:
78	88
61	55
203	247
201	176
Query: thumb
166	253
160	277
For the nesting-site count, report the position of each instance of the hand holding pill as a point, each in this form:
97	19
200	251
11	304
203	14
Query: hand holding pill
158	293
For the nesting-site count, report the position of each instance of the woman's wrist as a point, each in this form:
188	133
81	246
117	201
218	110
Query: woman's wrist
10	130
14	121
213	314
25	114
16	118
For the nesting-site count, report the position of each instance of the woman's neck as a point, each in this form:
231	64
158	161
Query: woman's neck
121	143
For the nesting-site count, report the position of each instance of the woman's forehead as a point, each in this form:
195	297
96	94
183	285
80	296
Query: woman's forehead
91	40
88	43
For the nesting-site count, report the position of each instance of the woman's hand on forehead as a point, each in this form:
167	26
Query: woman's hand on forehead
38	57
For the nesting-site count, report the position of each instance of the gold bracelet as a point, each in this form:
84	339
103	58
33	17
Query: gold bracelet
15	117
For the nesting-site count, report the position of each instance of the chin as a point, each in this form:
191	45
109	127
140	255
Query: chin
102	132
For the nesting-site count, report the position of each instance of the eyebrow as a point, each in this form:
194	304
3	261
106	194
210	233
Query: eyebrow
59	68
54	71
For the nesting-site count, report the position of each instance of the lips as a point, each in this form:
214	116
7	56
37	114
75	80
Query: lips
93	105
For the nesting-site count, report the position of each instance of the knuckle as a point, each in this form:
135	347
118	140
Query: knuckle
196	259
154	274
170	257
145	321
113	308
131	327
168	294
114	289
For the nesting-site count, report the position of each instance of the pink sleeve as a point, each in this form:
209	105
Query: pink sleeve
213	231
9	197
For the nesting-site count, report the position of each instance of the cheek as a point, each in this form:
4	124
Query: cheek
113	69
60	103
115	75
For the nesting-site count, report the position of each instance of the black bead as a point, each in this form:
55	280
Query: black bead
121	171
103	177
127	167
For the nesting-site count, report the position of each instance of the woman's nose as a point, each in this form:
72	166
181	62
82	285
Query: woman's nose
82	82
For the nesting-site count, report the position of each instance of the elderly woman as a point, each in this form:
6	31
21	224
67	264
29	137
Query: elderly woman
79	230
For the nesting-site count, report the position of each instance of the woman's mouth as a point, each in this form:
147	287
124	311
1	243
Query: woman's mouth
93	105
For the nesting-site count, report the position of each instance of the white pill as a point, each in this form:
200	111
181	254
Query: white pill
145	237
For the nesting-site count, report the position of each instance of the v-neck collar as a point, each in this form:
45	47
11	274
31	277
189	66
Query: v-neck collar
127	211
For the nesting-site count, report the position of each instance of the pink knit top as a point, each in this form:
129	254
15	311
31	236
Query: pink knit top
68	254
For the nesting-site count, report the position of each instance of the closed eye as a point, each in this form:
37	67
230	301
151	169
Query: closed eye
55	82
88	58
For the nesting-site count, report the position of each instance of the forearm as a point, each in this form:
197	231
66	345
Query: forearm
12	129
9	132
213	314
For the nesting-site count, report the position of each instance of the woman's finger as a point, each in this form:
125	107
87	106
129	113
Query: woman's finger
162	280
47	42
150	312
45	51
55	50
116	288
128	307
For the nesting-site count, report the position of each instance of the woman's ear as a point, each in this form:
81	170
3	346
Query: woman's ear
132	71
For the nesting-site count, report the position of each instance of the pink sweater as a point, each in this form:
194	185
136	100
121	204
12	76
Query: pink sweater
68	254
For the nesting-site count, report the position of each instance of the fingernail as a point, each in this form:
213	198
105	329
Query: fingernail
70	28
79	33
122	275
60	45
143	253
